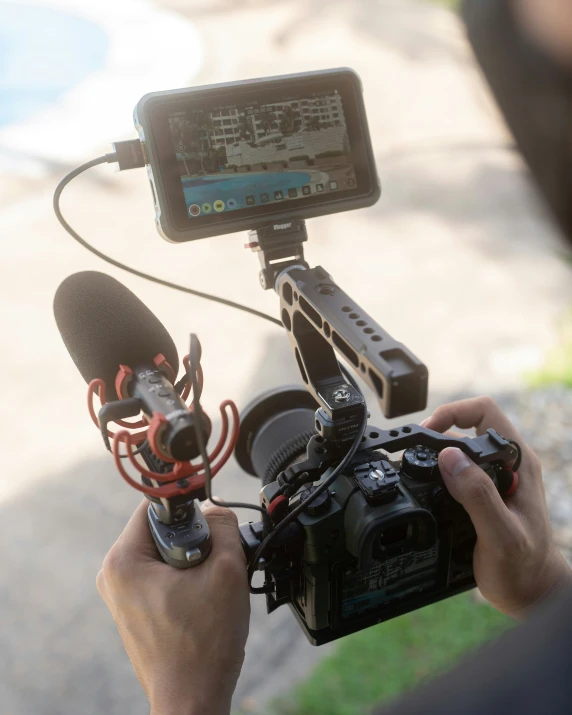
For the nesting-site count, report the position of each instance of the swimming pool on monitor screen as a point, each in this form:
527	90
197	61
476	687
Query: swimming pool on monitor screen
244	190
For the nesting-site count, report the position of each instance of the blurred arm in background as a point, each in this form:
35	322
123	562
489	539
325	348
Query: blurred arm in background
549	24
524	49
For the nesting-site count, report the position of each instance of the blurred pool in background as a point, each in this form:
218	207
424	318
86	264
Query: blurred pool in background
71	72
44	53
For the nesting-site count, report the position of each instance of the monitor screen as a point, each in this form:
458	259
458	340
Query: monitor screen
241	155
234	156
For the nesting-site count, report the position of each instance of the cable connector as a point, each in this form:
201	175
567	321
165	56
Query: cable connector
129	154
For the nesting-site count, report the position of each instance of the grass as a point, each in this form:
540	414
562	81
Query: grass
381	662
557	368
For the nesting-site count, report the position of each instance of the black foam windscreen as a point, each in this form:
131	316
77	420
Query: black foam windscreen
104	325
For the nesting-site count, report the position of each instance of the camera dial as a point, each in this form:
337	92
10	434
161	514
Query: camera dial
420	464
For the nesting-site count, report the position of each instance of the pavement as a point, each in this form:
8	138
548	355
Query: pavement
458	260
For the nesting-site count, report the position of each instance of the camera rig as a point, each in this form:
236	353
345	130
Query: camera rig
349	537
299	477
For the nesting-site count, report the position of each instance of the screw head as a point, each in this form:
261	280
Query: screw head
377	475
341	395
170	535
197	526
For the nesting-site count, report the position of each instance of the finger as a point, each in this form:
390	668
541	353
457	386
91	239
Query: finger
528	500
476	492
482	413
454	433
223	526
136	541
449	432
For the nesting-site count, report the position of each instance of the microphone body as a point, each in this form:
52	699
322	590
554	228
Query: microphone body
112	336
172	432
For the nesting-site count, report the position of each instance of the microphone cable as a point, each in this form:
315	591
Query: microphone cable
119	156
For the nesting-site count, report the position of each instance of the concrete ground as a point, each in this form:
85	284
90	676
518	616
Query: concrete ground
458	260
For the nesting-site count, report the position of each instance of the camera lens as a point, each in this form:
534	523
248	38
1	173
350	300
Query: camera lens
274	431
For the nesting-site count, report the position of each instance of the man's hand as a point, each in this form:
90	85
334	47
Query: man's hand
516	562
184	630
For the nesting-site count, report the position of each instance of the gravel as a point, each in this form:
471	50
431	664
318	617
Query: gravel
544	419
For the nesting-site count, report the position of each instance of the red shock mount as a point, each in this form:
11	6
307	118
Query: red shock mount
184	477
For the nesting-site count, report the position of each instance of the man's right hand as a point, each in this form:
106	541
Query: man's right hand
516	561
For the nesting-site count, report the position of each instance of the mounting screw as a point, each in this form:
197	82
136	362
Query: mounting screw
341	395
377	475
197	526
170	535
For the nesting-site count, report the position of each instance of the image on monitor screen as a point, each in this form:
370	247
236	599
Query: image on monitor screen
239	156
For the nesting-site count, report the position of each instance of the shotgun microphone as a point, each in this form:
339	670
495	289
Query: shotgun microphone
113	338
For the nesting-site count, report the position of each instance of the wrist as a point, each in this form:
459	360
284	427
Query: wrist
190	709
562	574
191	706
554	577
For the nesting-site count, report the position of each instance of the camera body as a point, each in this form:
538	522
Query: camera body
384	539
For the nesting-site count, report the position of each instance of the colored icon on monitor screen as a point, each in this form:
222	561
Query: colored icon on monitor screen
278	195
194	210
231	204
218	205
306	190
250	201
264	198
333	185
319	188
206	208
292	193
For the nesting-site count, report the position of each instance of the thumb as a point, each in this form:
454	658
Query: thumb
476	492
